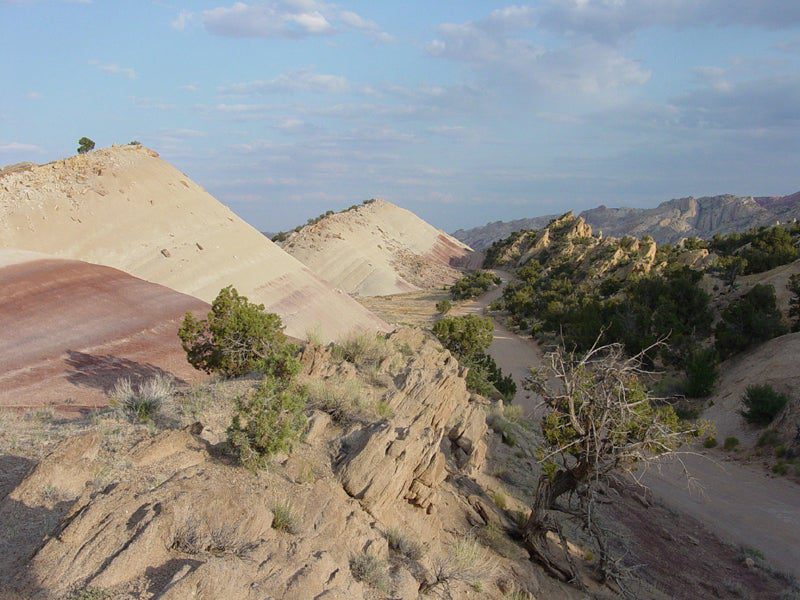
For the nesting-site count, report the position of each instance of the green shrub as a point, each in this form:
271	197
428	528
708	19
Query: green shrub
143	401
85	145
466	336
749	321
473	285
269	420
762	404
780	468
500	500
768	438
444	306
710	442
236	338
731	443
794	301
701	372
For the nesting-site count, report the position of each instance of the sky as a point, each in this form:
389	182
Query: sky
464	111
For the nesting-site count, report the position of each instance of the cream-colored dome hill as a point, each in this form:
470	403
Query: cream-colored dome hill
126	208
378	249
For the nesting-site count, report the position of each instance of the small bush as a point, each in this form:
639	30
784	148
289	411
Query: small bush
513	413
769	438
500	500
404	546
469	335
370	570
780	468
468	562
89	593
710	442
730	443
762	404
749	321
473	285
444	306
143	401
85	145
237	338
269	420
283	518
701	372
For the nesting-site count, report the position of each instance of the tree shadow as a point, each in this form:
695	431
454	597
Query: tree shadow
101	372
13	469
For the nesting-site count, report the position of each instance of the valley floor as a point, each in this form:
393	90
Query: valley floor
740	504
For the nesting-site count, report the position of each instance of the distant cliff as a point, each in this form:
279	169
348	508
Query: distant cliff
667	223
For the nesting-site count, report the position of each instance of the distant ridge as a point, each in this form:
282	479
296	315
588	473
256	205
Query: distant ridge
377	249
668	223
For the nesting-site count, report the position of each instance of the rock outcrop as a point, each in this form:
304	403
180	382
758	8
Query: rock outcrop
669	222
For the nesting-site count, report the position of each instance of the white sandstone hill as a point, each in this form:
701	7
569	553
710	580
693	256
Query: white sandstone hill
124	207
378	249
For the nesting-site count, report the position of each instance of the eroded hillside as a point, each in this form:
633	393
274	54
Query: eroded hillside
124	207
377	249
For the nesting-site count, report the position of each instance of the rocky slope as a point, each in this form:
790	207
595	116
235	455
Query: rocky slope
667	223
377	249
124	207
171	516
71	329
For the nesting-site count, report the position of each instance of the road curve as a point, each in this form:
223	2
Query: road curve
739	503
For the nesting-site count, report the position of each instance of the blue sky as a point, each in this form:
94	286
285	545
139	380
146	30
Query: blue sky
463	111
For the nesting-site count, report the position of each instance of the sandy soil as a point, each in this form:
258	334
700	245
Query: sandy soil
125	208
378	249
741	504
71	329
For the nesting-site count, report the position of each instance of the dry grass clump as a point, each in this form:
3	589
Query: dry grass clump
371	570
283	517
403	545
191	538
142	402
362	348
468	562
345	399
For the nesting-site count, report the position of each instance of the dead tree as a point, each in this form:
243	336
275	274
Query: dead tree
600	424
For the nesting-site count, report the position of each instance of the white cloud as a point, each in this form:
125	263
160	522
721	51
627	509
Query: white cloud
294	81
497	48
286	18
33	95
114	69
190	87
183	18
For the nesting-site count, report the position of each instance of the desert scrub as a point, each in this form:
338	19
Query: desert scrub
444	306
345	399
269	420
238	337
371	570
89	593
362	348
762	404
731	443
500	500
142	402
710	442
780	468
283	518
403	545
468	562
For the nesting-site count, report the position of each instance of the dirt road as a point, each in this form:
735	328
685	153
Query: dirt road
742	505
